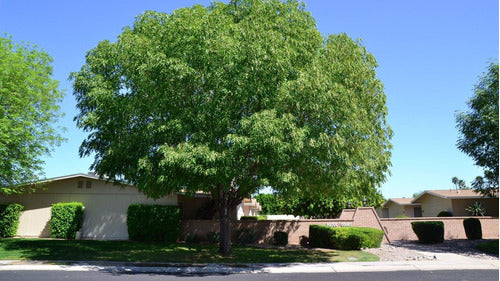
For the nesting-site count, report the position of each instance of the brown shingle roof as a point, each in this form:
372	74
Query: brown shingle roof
401	201
456	193
453	194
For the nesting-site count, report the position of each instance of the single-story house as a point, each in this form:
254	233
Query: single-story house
454	201
106	204
249	207
400	207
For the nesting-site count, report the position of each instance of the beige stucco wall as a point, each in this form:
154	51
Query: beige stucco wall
432	205
105	213
396	210
490	205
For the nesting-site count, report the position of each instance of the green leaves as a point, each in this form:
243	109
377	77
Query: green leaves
28	111
234	97
479	130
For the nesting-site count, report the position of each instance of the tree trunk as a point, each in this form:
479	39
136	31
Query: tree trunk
225	222
225	231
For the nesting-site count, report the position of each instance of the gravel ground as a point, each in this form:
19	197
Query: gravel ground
412	250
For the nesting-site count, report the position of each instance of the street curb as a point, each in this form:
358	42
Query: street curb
222	269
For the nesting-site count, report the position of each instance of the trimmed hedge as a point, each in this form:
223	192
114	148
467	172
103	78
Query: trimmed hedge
249	218
66	219
280	238
429	232
445	214
156	223
472	228
9	219
344	238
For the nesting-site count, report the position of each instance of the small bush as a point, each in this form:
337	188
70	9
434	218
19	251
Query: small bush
355	238
320	236
429	232
344	238
472	228
445	214
476	209
304	241
245	236
9	219
66	219
153	222
280	238
249	218
213	237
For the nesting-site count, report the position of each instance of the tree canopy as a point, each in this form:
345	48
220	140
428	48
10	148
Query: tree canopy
478	130
232	97
28	111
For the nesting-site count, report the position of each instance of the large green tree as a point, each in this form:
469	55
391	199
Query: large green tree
28	112
230	98
478	130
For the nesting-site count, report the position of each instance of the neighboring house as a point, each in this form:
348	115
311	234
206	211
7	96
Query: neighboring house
400	207
454	201
105	213
106	204
249	207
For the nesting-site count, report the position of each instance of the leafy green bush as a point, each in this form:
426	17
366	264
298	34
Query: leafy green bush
66	219
270	204
9	219
429	232
280	238
472	228
245	236
320	236
153	222
476	209
249	218
344	238
445	214
355	238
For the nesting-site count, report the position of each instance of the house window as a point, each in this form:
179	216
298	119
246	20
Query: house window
80	184
88	184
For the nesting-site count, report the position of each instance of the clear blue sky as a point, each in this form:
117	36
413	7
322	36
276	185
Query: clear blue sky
430	55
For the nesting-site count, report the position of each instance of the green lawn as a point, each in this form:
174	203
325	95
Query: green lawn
489	247
86	250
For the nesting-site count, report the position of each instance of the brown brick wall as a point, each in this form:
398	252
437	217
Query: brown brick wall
395	228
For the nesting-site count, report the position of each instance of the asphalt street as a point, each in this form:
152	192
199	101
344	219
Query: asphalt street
53	275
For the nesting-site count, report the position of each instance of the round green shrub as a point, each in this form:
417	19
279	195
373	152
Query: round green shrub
155	223
280	238
66	219
344	238
445	214
472	228
9	219
429	232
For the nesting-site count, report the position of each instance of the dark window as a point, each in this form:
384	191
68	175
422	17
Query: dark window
88	184
80	184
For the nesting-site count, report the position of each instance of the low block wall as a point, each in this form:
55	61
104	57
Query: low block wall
264	230
394	228
400	228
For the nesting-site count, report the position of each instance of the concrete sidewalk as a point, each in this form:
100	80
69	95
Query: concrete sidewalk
443	262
